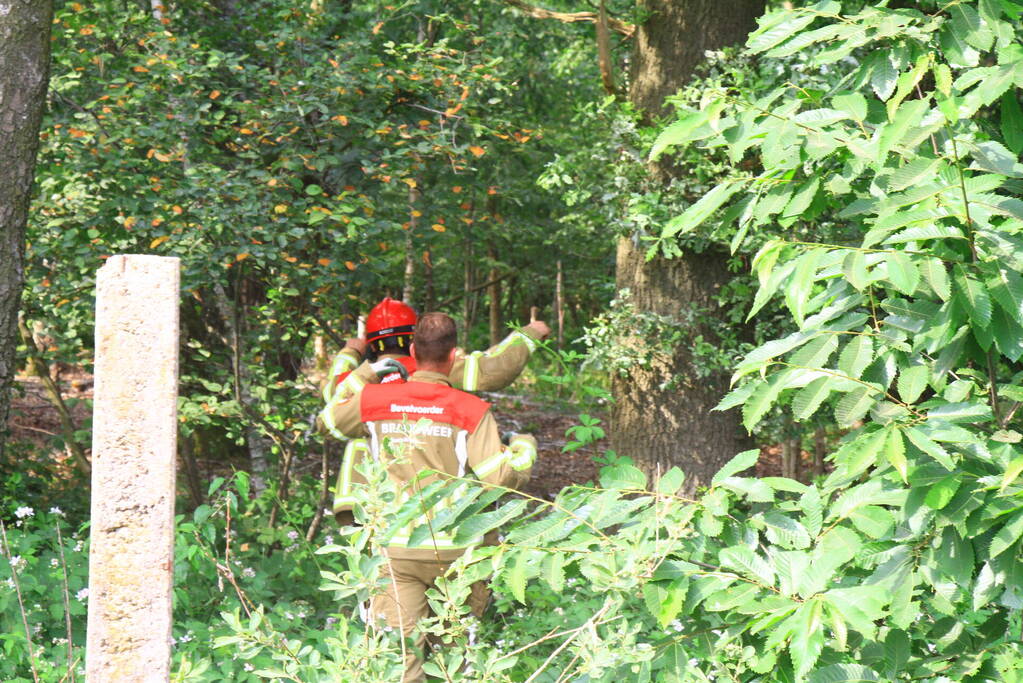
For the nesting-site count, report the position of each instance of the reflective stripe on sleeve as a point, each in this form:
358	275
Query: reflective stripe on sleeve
471	376
343	362
343	497
523	455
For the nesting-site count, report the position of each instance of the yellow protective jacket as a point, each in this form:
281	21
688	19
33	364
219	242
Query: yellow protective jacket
425	424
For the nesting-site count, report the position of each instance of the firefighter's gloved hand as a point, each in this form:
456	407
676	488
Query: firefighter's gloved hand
523	451
388	366
506	437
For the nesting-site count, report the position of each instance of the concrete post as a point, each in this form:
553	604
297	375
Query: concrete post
134	449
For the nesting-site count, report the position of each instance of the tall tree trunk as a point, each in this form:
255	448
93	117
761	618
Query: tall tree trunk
662	414
24	75
494	296
408	291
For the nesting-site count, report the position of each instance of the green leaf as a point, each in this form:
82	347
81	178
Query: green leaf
994	157
843	673
671	481
966	23
986	586
802	199
903	273
479	524
742	559
737	396
623	476
1007	535
1011	472
678	133
939	494
931	448
854	104
313	190
807	637
801	285
895	451
854	406
816	353
974	297
515	579
912	382
872	520
699	212
907	118
968	411
1012	122
553	571
785	531
854	267
913	173
742	461
1007	290
883	76
777	27
763	398
937	277
808	399
856	356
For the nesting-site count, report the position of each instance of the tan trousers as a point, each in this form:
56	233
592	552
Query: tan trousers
403	603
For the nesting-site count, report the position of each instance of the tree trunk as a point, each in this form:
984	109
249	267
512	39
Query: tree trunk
673	425
494	297
24	75
654	424
408	291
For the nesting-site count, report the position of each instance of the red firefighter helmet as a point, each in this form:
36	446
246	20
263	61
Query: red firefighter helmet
390	318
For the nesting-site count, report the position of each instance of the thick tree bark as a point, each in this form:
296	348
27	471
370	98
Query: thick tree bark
662	415
24	75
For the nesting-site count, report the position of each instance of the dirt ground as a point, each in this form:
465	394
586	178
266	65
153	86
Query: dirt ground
33	419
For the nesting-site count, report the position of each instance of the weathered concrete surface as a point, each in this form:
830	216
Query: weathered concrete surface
134	450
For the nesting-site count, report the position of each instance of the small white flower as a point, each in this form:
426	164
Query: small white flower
248	667
328	539
289	616
330	622
56	511
79	546
24	511
82	595
54	562
292	535
248	572
18	562
291	548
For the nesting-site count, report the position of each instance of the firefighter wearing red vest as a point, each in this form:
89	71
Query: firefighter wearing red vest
459	437
389	329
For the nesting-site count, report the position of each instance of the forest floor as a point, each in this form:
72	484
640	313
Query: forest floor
34	420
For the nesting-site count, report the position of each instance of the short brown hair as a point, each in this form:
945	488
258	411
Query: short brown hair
435	337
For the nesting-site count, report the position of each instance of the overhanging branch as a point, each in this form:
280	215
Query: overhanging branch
617	25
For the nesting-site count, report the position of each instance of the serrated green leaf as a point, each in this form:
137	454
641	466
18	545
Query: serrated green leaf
801	285
965	411
763	398
1012	122
843	673
986	586
1007	535
973	296
940	493
937	277
671	481
808	399
736	397
816	353
777	27
742	461
913	173
883	76
813	510
785	531
854	268
1011	472
912	381
930	447
895	451
1007	290
553	571
854	104
854	406
807	638
856	356
903	273
699	212
742	559
966	22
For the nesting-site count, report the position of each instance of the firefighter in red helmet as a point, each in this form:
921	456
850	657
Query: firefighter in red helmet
389	329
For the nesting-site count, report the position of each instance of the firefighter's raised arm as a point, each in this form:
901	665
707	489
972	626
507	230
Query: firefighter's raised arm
501	364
